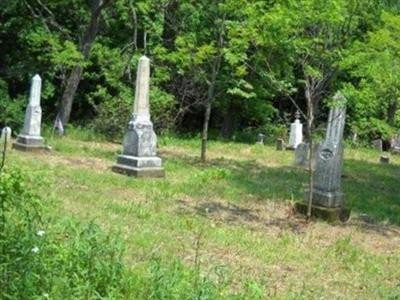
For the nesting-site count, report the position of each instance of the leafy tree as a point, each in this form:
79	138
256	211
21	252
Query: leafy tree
376	64
85	45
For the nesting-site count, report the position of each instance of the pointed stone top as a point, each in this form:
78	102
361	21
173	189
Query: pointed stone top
36	87
339	98
338	94
141	106
36	77
6	130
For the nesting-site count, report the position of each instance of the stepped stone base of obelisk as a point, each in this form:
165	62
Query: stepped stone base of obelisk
139	166
327	199
328	214
29	143
328	206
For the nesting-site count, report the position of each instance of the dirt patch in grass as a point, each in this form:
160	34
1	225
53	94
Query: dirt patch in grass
272	218
275	219
53	158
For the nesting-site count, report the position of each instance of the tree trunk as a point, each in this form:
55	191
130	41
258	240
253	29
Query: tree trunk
310	120
210	96
69	93
207	114
76	73
227	124
204	138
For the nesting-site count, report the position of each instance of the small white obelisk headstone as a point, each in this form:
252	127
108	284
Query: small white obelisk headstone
296	132
5	137
30	138
139	156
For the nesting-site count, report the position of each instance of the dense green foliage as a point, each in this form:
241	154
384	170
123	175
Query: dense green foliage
265	55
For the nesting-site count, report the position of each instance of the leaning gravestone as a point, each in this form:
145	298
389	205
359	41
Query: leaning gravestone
296	133
139	147
30	139
328	198
5	137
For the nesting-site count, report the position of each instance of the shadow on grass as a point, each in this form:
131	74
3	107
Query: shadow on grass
372	190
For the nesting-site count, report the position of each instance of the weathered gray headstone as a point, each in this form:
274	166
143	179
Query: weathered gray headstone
296	133
280	144
378	144
260	139
139	156
5	137
30	139
328	198
395	145
384	159
301	155
327	182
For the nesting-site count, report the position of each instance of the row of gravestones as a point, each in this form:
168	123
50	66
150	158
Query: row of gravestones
302	149
139	157
393	144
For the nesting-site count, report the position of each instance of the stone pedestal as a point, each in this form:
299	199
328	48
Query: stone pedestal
333	199
139	156
335	214
139	153
30	138
29	143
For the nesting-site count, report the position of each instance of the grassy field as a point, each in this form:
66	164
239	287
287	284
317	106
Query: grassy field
232	217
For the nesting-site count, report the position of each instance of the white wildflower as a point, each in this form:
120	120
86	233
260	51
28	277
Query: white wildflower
40	233
35	249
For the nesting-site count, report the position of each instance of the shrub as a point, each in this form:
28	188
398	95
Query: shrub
11	110
63	260
112	114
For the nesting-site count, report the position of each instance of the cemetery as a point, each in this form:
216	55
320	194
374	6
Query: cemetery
152	170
